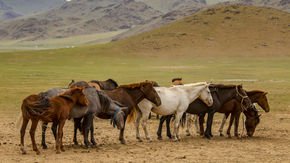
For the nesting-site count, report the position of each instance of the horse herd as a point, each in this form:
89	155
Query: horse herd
82	101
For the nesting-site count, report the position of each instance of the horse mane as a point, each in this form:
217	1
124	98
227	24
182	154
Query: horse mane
224	86
135	85
105	101
255	92
194	84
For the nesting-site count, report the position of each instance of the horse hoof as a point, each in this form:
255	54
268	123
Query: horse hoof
139	140
149	139
62	150
159	137
207	136
23	152
188	134
123	141
38	152
76	143
93	143
58	152
221	134
44	147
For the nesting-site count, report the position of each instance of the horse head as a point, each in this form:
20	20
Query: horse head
118	118
206	96
263	102
77	95
252	121
150	93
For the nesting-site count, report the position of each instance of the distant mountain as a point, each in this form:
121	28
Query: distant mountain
79	17
278	4
28	7
174	10
6	12
166	6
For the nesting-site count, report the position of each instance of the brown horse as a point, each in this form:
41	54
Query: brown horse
130	95
234	109
56	109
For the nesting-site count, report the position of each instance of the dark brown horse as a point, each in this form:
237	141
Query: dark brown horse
56	109
234	109
130	95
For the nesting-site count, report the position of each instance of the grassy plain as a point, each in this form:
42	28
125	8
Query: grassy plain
24	73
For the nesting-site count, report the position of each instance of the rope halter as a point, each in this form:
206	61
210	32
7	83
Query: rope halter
243	98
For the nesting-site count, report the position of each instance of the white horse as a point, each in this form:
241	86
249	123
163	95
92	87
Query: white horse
174	100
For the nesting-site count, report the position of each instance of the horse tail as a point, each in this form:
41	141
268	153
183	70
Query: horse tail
34	105
183	120
19	119
132	115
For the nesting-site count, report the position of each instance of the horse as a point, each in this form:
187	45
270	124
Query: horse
174	100
132	94
221	94
233	108
56	109
98	103
108	84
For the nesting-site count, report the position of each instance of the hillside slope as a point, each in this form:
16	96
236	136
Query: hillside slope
235	29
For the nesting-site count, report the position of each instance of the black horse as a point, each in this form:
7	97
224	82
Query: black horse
220	94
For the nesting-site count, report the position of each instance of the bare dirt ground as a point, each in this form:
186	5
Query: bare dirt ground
271	143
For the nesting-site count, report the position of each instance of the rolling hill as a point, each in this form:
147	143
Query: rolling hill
234	29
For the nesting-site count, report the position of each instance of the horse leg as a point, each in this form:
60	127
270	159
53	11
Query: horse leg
157	116
86	127
201	121
121	136
168	132
93	141
137	124
223	123
176	125
208	133
144	125
59	145
43	143
237	119
54	129
188	124
230	125
32	135
196	124
22	134
77	125
159	131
